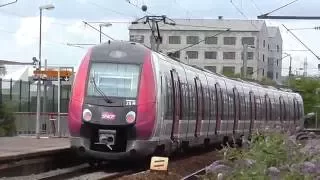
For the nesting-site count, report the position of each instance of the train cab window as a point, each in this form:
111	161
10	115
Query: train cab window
114	80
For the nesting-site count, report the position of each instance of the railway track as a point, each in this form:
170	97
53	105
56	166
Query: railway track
79	172
121	170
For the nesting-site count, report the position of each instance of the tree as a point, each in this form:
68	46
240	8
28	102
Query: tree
3	70
309	88
7	121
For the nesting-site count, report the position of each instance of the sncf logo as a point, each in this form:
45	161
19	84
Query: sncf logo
108	115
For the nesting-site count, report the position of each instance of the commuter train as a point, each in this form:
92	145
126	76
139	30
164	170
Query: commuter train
129	101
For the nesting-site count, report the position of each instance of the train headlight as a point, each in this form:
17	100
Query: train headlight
86	115
131	117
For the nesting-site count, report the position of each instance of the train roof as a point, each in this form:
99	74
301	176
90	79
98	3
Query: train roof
141	47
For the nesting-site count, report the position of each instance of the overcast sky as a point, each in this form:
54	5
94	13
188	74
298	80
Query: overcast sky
19	24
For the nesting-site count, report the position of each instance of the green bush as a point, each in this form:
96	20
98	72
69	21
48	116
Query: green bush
7	121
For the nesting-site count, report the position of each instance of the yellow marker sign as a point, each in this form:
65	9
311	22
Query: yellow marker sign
159	163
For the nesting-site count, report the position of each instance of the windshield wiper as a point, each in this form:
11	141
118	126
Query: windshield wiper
100	92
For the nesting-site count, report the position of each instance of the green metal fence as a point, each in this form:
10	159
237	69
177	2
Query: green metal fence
22	96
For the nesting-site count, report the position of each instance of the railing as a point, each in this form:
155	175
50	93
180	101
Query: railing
22	96
25	123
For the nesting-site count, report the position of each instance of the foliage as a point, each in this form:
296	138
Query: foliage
266	150
309	88
7	121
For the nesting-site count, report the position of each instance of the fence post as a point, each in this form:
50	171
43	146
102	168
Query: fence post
20	92
11	89
0	91
29	96
53	105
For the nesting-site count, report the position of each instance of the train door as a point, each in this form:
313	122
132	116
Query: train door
281	109
236	105
199	108
176	104
252	110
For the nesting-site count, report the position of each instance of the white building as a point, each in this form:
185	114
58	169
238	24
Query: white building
221	53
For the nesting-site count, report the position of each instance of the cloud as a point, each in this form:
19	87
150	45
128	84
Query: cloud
29	29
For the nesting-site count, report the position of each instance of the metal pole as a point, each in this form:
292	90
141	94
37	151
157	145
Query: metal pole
290	71
38	85
59	89
45	90
152	32
245	53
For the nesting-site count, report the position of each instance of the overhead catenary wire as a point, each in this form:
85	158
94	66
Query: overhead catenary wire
136	6
242	13
97	30
302	42
256	6
280	8
48	41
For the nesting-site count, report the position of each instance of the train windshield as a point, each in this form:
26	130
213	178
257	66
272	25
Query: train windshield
114	80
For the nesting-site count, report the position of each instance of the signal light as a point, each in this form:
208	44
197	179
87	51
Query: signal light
87	115
131	117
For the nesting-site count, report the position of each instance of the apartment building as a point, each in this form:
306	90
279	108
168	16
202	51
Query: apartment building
222	53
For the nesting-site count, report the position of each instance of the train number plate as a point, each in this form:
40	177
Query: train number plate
107	132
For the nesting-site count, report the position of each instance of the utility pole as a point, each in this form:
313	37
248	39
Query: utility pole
290	68
153	38
245	60
305	67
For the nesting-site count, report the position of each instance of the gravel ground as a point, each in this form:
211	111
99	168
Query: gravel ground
178	168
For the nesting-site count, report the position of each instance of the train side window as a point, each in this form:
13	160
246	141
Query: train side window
219	104
181	99
270	109
206	99
169	99
213	103
188	101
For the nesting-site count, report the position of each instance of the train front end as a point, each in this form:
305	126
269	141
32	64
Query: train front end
113	104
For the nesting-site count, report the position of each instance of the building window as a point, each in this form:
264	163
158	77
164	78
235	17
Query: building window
277	75
211	40
137	38
211	68
192	54
228	70
229	40
249	55
248	40
249	70
268	47
176	54
153	37
192	39
278	49
174	40
210	55
277	62
262	57
262	72
264	43
229	55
